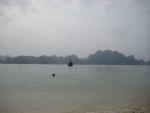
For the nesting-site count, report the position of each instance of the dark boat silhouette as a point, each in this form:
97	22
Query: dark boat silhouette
70	63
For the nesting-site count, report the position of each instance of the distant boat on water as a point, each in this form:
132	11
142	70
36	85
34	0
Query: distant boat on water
70	63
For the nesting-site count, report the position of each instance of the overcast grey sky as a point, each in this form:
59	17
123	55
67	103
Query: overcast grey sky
62	27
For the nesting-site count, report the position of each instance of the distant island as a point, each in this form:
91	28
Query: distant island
106	57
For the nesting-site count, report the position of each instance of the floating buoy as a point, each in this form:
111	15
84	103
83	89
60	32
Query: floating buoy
53	75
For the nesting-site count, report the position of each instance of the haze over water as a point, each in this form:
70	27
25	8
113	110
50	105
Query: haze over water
63	27
79	89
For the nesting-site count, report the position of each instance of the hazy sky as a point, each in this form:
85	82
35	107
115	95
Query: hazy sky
62	27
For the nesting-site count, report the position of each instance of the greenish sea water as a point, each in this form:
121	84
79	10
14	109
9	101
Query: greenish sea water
78	89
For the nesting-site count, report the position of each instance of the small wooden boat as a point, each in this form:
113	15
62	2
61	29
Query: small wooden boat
70	63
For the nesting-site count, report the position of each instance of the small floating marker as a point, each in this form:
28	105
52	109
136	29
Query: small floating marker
53	75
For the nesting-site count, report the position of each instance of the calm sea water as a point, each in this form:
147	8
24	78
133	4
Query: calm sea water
78	89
